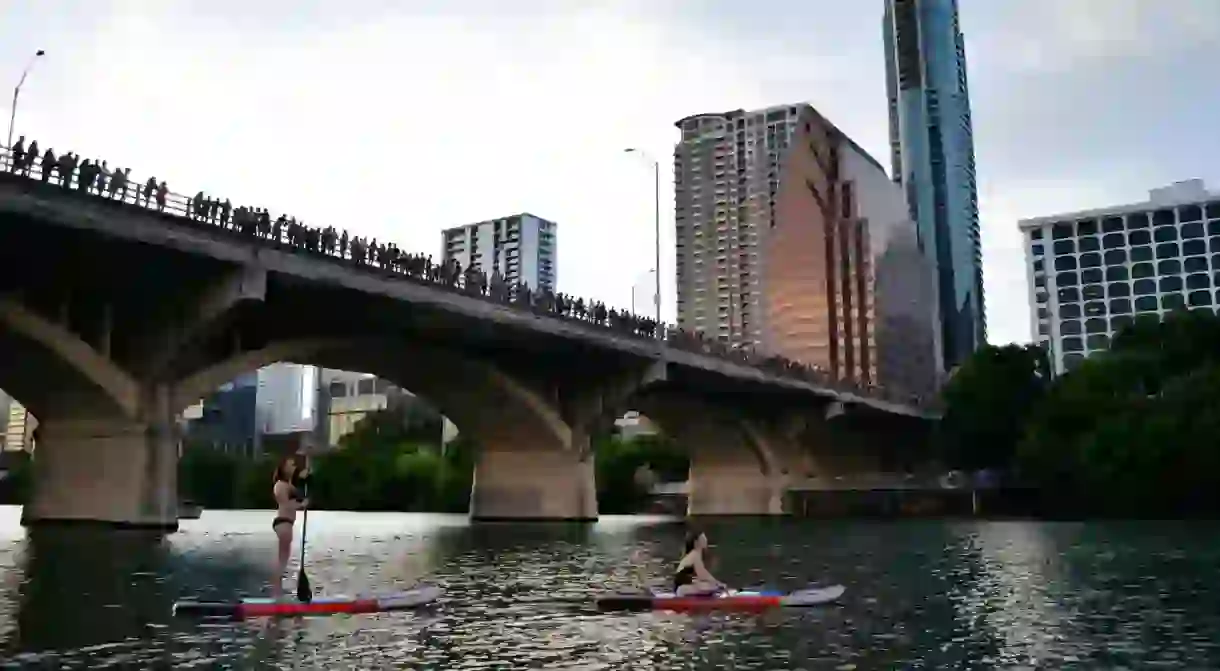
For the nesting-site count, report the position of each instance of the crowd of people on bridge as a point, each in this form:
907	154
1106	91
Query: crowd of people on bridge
97	178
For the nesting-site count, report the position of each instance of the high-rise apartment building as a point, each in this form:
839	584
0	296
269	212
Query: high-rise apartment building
521	248
932	153
791	238
287	398
1092	272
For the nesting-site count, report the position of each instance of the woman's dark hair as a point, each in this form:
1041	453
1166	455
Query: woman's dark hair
692	537
281	466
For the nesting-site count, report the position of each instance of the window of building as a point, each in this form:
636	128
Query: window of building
1065	263
1213	228
1213	210
1193	248
1039	266
1071	327
1170	267
1072	361
1090	260
1035	234
1061	231
1093	292
1065	247
1171	284
1112	225
1139	238
1162	218
1137	220
1089	245
1199	299
1194	230
1120	306
1117	273
1095	308
1145	304
1214	245
1069	311
1086	227
1073	295
1072	345
1095	325
1172	301
1165	234
1092	276
1168	250
1116	256
1119	289
1145	287
1142	270
1068	279
1113	241
1099	341
1196	264
1141	254
1118	323
1198	281
1190	213
1037	250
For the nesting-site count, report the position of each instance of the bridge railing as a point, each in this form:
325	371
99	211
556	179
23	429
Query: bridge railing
94	178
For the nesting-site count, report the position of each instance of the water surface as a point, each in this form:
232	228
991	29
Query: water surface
921	595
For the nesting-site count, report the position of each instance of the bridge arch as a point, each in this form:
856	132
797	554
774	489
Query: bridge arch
53	372
483	401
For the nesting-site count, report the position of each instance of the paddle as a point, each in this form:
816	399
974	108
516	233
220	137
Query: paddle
304	591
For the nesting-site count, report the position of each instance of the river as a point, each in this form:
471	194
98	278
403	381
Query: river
921	595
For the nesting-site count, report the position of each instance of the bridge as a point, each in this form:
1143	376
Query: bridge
121	303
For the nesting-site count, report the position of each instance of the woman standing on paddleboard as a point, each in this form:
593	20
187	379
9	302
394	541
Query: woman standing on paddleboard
692	577
289	479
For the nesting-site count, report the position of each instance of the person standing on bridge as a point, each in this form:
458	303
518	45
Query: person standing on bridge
287	490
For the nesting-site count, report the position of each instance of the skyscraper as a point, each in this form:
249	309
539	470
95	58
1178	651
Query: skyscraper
791	238
932	147
520	247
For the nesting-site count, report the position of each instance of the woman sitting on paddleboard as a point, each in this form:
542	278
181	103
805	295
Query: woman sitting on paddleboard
692	577
288	500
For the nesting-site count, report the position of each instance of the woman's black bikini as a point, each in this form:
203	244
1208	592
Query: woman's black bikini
684	576
297	484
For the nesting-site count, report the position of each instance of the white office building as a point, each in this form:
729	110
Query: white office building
521	247
287	398
1092	272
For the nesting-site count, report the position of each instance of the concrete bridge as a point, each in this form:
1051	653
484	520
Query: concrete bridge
118	310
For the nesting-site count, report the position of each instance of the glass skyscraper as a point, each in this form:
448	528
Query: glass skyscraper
932	151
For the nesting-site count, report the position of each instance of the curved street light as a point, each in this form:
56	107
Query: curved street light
12	119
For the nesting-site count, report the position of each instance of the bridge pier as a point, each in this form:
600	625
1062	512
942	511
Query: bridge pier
533	485
113	472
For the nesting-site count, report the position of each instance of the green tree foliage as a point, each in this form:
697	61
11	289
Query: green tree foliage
987	402
620	462
1134	431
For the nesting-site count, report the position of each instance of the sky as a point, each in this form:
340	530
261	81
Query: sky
396	119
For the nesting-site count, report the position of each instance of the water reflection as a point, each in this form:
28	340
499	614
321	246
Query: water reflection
921	595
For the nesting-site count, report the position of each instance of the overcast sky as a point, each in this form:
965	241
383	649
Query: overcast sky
397	118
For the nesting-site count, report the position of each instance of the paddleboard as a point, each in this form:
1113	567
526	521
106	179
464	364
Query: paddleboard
746	600
412	598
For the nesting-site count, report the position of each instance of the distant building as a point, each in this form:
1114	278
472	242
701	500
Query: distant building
521	248
633	425
287	398
1092	272
349	397
932	159
18	425
226	420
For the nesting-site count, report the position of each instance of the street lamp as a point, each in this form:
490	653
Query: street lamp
12	119
656	169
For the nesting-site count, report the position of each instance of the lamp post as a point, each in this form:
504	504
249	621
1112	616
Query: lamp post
12	119
656	169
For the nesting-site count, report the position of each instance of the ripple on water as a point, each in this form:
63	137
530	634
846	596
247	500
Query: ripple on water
922	595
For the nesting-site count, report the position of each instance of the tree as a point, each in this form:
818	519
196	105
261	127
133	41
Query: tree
987	402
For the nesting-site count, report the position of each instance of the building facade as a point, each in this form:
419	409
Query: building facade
287	398
521	248
791	238
1092	272
932	155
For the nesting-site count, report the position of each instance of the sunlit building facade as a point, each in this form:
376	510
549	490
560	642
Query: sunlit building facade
791	238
